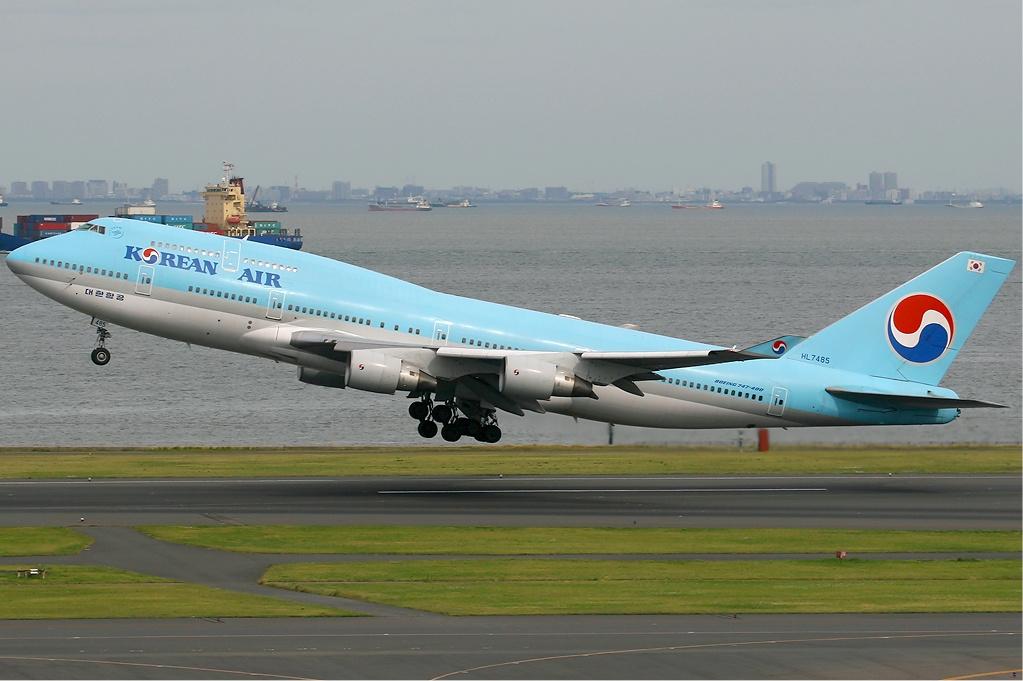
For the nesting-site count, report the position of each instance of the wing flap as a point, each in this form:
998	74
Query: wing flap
675	359
910	401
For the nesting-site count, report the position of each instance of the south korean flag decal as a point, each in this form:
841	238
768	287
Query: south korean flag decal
975	266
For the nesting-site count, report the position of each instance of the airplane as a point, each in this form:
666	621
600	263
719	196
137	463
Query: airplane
461	360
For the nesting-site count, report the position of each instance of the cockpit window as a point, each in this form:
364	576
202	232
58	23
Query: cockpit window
90	227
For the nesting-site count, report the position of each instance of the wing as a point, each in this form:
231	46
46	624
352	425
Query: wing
495	376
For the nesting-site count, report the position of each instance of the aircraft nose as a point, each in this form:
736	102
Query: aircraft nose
18	259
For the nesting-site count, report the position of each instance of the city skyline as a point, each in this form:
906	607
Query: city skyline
878	185
662	94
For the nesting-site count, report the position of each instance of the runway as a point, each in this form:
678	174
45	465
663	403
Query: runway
393	642
781	646
848	501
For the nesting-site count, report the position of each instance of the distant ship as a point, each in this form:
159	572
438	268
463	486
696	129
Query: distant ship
2	202
971	204
72	202
392	206
883	202
257	206
715	205
464	203
624	203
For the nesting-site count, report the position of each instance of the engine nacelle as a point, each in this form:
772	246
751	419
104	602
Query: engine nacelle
534	379
318	377
380	373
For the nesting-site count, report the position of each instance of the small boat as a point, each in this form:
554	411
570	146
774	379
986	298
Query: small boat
971	204
2	202
149	202
464	203
715	205
602	204
424	205
680	205
72	202
624	203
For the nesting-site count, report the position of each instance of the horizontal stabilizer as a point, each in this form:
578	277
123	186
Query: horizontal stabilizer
910	401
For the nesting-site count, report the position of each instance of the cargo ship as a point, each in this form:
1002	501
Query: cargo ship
224	214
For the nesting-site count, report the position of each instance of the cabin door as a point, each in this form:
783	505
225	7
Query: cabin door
275	306
778	398
441	331
232	254
144	284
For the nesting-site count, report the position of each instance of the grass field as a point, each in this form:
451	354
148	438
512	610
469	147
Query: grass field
574	540
73	592
29	463
551	587
41	541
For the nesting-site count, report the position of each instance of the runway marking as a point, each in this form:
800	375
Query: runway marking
153	665
604	491
982	675
733	644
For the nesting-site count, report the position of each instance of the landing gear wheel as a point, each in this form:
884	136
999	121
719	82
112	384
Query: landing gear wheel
100	356
442	413
491	433
427	429
451	432
420	411
473	428
463	425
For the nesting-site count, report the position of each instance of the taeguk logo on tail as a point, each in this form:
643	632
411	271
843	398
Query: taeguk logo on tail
779	347
920	328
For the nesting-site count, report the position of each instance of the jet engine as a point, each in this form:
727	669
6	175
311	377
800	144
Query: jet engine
538	380
380	373
374	372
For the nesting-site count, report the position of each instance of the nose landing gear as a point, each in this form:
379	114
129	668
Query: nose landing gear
100	355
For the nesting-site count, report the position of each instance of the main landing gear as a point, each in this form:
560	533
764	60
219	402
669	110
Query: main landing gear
101	355
481	425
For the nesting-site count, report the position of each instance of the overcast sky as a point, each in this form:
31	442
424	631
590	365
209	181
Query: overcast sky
593	95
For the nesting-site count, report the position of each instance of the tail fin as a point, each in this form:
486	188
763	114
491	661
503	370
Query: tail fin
914	332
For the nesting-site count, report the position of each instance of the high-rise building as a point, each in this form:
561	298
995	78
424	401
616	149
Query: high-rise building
61	190
340	191
40	189
556	194
876	184
19	188
161	188
412	190
768	178
77	189
385	193
891	180
97	188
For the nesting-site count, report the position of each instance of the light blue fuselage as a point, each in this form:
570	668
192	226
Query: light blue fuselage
248	297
